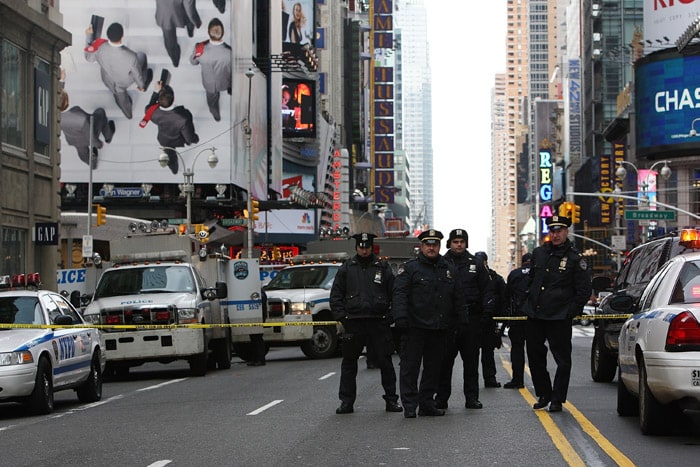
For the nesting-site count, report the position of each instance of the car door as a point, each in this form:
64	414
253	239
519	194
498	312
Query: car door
71	346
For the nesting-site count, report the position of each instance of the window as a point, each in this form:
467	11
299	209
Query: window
13	92
14	243
42	108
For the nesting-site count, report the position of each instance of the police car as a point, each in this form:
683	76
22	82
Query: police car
35	362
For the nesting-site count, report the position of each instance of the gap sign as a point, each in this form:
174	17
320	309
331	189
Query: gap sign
650	215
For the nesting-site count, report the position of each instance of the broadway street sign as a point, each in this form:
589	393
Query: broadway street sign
650	215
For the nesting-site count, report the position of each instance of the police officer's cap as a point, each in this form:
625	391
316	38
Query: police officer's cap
431	237
363	240
527	257
481	255
558	222
459	233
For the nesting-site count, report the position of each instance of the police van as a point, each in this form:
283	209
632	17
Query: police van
167	298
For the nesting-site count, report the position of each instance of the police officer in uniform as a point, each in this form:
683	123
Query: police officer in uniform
361	300
473	281
516	294
560	285
426	301
490	337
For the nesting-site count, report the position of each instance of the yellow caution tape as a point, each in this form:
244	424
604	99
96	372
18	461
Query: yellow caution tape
169	326
586	317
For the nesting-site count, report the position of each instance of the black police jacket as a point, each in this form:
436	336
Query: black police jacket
362	289
426	294
560	282
474	282
516	291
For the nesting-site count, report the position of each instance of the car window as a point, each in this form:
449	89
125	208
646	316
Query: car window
64	308
305	277
645	303
646	263
20	310
51	308
687	287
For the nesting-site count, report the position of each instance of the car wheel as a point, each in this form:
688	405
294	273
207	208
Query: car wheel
627	403
603	365
323	343
91	389
652	415
199	363
41	400
222	352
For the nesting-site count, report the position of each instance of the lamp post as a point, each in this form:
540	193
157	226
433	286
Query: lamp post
188	186
621	173
248	131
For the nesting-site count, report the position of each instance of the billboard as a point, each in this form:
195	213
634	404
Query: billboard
298	108
667	103
666	20
298	26
116	86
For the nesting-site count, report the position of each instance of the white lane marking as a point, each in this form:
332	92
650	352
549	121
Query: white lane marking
265	407
160	463
157	386
85	407
326	376
401	449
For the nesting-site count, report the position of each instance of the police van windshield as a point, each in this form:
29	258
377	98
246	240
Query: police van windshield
311	277
150	279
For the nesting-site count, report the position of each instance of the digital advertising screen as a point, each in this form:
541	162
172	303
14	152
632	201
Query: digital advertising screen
667	104
298	108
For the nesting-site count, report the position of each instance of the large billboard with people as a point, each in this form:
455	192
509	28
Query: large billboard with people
160	77
667	104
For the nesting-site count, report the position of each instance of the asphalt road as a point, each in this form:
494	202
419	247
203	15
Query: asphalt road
284	414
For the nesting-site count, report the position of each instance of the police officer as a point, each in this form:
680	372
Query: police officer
473	281
427	298
560	285
361	300
489	336
516	294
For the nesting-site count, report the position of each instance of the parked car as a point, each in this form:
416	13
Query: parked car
659	347
35	362
636	272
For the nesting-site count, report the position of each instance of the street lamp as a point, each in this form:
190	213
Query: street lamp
621	173
248	131
188	186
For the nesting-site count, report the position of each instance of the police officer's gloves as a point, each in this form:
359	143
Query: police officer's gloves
401	323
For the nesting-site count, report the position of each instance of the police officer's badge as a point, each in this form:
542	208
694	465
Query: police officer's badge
449	274
401	269
562	263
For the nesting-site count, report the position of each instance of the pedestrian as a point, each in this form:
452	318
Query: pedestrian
175	124
173	14
75	124
427	298
560	284
214	57
120	67
473	282
516	294
361	300
490	335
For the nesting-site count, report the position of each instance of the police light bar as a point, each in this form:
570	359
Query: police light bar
690	238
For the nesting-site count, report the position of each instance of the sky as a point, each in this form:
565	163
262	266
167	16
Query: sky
467	49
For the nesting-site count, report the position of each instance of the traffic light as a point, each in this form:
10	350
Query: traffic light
101	213
255	204
576	214
182	229
203	233
566	209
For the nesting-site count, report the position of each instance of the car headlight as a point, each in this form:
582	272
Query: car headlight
93	318
16	358
187	315
298	308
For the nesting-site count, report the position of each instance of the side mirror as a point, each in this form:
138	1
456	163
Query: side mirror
63	320
221	290
621	303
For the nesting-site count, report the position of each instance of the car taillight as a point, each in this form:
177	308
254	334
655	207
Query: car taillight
112	319
683	333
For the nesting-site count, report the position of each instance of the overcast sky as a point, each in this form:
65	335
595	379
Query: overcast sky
467	49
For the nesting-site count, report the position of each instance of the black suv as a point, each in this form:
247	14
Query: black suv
639	267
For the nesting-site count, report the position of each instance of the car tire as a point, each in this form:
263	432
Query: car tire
603	365
91	389
41	400
323	343
652	415
627	403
